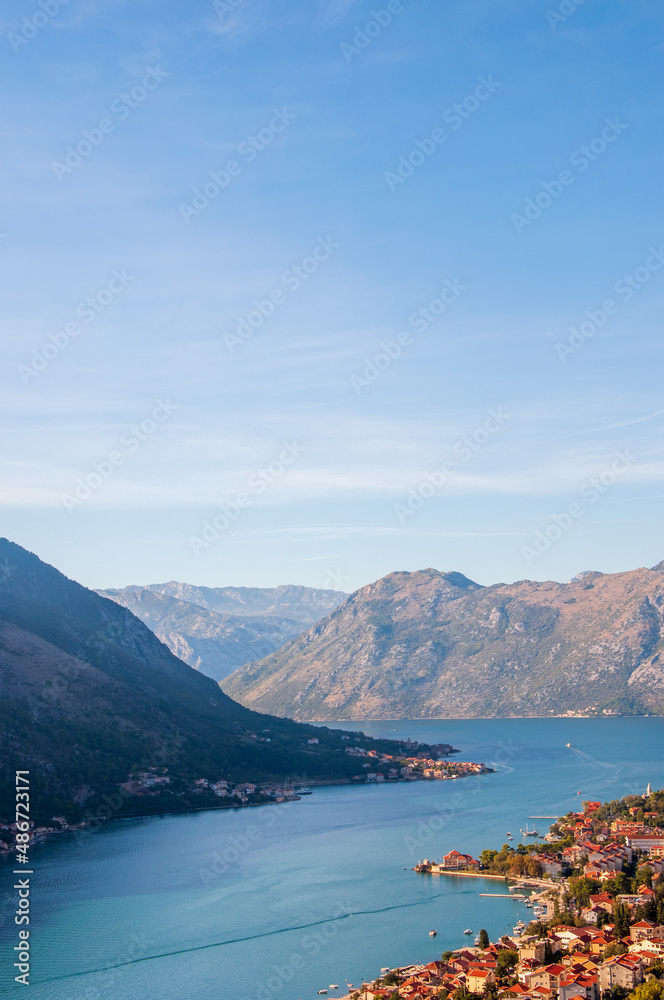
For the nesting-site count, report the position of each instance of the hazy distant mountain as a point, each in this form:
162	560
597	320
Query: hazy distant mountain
301	604
437	645
217	630
88	694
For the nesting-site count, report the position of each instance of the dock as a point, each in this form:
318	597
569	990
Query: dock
504	895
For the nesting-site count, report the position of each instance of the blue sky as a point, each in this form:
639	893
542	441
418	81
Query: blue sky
394	350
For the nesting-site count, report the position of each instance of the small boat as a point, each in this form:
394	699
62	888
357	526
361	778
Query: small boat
334	986
568	745
321	992
433	933
468	931
303	791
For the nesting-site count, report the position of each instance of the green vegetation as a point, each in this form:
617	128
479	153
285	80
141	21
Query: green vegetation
512	861
88	696
653	990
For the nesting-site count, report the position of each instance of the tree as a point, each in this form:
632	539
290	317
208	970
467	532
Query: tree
616	993
506	960
483	940
652	990
616	948
582	889
621	918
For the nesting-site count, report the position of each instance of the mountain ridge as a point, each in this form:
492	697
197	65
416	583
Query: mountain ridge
89	695
217	630
427	644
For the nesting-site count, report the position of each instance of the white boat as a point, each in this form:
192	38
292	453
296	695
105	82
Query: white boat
303	791
334	986
432	933
468	931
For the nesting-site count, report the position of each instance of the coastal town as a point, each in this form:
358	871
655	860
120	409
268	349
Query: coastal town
595	885
155	784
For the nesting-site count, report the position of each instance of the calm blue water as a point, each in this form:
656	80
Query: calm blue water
314	892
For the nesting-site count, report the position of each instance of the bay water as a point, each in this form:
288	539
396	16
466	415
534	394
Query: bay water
277	902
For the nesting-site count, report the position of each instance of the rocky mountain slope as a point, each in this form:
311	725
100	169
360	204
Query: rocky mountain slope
88	694
217	630
437	645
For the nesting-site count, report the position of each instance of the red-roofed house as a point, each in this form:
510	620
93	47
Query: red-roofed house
623	970
477	980
456	860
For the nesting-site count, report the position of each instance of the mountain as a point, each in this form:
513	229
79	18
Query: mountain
89	695
217	630
301	604
437	645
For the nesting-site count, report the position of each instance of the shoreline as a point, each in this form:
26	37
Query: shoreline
97	821
501	878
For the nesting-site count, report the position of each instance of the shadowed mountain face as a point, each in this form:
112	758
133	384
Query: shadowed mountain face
436	645
218	630
88	694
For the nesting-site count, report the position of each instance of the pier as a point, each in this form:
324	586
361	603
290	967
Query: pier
504	895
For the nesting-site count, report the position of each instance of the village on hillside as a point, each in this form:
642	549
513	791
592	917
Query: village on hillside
597	896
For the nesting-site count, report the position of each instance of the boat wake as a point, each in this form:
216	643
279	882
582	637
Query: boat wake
240	940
